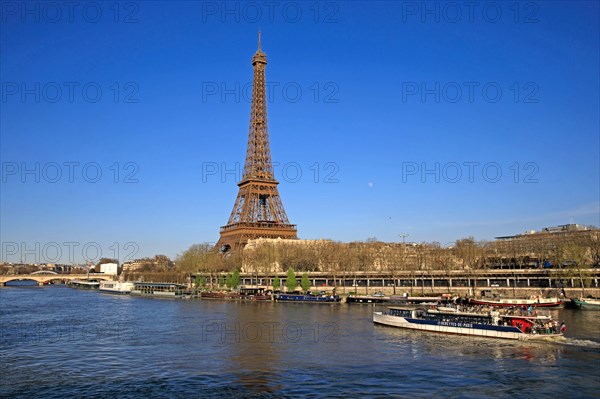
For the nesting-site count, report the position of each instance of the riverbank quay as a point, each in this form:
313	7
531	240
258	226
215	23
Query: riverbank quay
515	282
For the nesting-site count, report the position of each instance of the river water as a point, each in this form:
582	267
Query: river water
59	342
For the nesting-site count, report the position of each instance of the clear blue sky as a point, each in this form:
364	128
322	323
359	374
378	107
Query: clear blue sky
367	94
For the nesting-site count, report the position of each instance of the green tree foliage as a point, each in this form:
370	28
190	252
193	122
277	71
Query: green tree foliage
276	283
290	281
305	282
200	281
235	279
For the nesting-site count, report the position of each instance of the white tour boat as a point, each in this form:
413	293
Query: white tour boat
469	321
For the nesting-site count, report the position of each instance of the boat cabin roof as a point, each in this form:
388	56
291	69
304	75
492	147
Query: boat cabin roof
456	313
251	291
162	285
539	317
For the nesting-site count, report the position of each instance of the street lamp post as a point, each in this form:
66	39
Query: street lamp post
403	257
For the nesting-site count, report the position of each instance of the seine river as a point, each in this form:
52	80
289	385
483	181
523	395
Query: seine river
59	342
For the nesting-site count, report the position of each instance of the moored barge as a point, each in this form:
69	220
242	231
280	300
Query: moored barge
83	284
164	290
116	287
400	299
244	294
255	294
374	298
320	297
519	302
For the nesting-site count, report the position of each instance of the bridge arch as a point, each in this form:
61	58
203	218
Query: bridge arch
30	279
45	278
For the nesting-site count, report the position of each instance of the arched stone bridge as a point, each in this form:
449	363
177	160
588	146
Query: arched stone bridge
43	278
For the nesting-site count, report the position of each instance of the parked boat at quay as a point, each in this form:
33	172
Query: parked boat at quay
373	298
399	299
260	294
219	295
116	287
584	303
88	285
321	297
255	294
165	290
519	302
472	321
244	294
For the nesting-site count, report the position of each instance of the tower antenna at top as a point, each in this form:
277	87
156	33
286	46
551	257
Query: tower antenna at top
259	40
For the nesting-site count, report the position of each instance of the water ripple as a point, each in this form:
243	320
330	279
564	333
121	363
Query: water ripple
57	342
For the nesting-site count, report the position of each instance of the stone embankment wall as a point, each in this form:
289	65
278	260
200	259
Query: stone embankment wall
465	291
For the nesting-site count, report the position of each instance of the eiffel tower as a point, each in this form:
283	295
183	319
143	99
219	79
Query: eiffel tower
258	210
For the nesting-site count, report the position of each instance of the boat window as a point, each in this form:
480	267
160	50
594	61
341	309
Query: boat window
399	312
458	318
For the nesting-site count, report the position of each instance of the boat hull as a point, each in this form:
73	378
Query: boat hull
219	295
307	298
256	297
86	285
585	304
396	299
116	291
366	299
161	294
234	296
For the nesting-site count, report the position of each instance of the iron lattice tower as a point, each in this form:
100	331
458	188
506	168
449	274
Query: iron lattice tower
258	210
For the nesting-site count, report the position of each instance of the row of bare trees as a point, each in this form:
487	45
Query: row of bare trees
568	255
554	251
